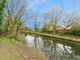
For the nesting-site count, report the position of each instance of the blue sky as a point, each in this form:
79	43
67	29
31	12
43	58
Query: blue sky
41	6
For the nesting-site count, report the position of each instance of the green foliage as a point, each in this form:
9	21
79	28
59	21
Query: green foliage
47	31
75	32
46	27
5	40
2	6
13	22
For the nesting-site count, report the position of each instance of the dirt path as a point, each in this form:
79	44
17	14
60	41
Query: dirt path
8	52
18	52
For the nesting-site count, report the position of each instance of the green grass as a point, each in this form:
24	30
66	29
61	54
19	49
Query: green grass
5	40
10	50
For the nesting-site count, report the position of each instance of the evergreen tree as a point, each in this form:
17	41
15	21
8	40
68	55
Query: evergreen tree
2	6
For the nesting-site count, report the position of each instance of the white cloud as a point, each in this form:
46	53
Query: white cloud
39	1
34	3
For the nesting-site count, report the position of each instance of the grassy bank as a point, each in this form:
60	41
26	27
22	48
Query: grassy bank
7	49
62	37
10	50
6	40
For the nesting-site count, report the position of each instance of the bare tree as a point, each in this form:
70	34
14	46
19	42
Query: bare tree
71	20
35	18
14	12
67	21
54	15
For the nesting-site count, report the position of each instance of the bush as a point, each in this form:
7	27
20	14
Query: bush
75	32
46	31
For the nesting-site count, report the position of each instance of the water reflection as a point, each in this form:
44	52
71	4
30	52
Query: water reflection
53	48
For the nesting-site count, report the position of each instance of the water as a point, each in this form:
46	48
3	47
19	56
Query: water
54	49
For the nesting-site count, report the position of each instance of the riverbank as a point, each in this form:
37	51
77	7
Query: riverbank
63	37
12	50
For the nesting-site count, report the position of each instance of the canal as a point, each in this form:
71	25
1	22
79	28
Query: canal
53	48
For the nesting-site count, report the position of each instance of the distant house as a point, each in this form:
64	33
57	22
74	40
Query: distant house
60	29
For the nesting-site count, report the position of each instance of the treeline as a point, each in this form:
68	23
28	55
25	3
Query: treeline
57	17
14	14
11	17
69	24
54	18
